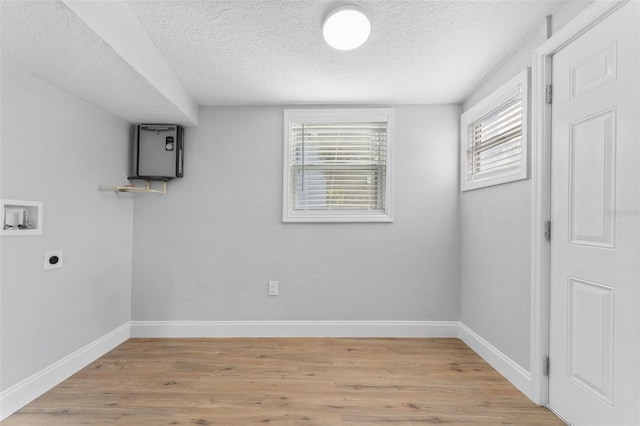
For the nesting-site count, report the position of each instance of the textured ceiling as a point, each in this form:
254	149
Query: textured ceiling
272	51
217	52
47	39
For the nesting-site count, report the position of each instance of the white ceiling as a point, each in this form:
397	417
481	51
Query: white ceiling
157	60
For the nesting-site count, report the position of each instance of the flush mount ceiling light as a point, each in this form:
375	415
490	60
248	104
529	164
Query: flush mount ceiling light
346	27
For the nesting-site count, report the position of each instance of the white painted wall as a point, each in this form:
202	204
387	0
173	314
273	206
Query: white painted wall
57	149
495	225
206	250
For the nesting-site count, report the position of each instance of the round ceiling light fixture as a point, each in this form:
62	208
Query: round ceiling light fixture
346	27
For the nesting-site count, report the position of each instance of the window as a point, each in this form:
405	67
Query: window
337	165
494	137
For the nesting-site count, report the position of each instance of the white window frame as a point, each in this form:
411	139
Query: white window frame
332	115
516	85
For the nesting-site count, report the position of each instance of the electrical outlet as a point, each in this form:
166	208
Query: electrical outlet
52	259
273	288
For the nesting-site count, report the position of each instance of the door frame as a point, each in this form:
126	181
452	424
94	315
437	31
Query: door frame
541	186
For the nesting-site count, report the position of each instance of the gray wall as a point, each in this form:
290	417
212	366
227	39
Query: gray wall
495	224
206	250
57	149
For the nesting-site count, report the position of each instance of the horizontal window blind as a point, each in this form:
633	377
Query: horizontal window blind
338	166
494	142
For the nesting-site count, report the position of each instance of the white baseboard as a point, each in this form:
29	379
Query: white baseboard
511	370
294	329
20	394
17	396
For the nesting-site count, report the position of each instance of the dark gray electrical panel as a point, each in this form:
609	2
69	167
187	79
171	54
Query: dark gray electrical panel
158	152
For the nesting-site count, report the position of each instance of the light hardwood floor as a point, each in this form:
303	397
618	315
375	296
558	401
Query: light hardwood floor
285	382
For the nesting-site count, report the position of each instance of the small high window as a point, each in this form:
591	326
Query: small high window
337	165
494	137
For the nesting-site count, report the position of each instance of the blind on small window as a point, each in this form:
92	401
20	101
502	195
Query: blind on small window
338	166
494	142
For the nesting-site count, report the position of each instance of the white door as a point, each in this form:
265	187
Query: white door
595	187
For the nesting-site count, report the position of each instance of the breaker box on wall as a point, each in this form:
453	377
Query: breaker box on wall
158	152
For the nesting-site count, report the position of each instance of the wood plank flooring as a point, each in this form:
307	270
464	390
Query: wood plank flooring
285	381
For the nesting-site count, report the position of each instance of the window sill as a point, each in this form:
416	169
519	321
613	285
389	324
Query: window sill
293	217
483	183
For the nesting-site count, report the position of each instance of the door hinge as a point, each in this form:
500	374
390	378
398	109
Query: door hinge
547	230
546	366
549	94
